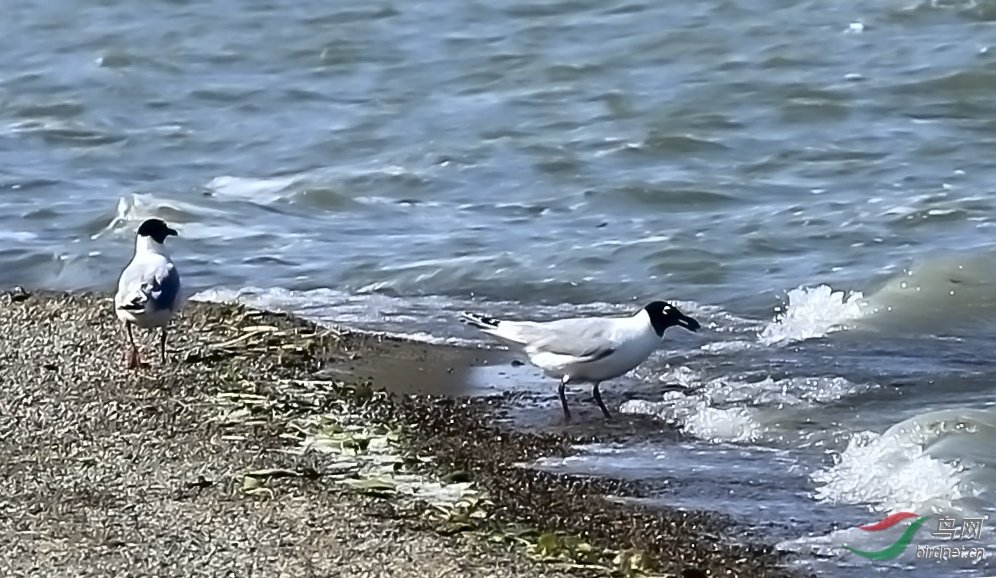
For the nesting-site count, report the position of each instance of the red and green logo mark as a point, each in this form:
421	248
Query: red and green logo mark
899	545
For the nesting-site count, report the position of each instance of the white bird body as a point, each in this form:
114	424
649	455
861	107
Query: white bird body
148	293
583	350
587	349
149	288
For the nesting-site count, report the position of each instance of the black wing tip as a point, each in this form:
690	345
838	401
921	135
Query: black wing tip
136	304
479	320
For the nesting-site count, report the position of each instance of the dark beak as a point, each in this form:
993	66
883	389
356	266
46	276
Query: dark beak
171	233
688	323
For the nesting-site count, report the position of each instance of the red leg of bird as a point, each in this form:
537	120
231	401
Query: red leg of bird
134	360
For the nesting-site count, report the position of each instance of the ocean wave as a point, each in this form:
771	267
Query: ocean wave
186	217
381	314
813	312
732	410
937	295
939	461
934	295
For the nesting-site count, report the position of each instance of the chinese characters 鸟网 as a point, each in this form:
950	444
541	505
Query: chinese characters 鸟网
969	529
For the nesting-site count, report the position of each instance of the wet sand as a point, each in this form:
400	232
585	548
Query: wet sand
112	472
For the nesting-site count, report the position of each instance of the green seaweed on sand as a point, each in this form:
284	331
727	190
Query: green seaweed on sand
561	547
373	459
470	513
371	486
569	551
253	486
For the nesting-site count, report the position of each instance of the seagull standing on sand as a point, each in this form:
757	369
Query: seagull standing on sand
588	350
149	288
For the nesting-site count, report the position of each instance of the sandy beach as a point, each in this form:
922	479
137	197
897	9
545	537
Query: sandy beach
267	446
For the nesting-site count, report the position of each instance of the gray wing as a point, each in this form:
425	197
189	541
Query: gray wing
165	288
588	339
144	282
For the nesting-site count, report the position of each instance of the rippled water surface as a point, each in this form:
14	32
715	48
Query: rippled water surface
813	180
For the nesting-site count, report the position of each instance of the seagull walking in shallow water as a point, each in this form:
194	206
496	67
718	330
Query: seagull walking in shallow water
587	349
149	288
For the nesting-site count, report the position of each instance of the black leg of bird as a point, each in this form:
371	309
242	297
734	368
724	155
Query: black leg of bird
598	399
563	400
162	346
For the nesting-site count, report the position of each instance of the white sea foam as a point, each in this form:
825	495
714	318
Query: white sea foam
939	462
728	346
677	375
697	417
893	474
263	191
732	410
813	312
795	391
733	424
934	462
